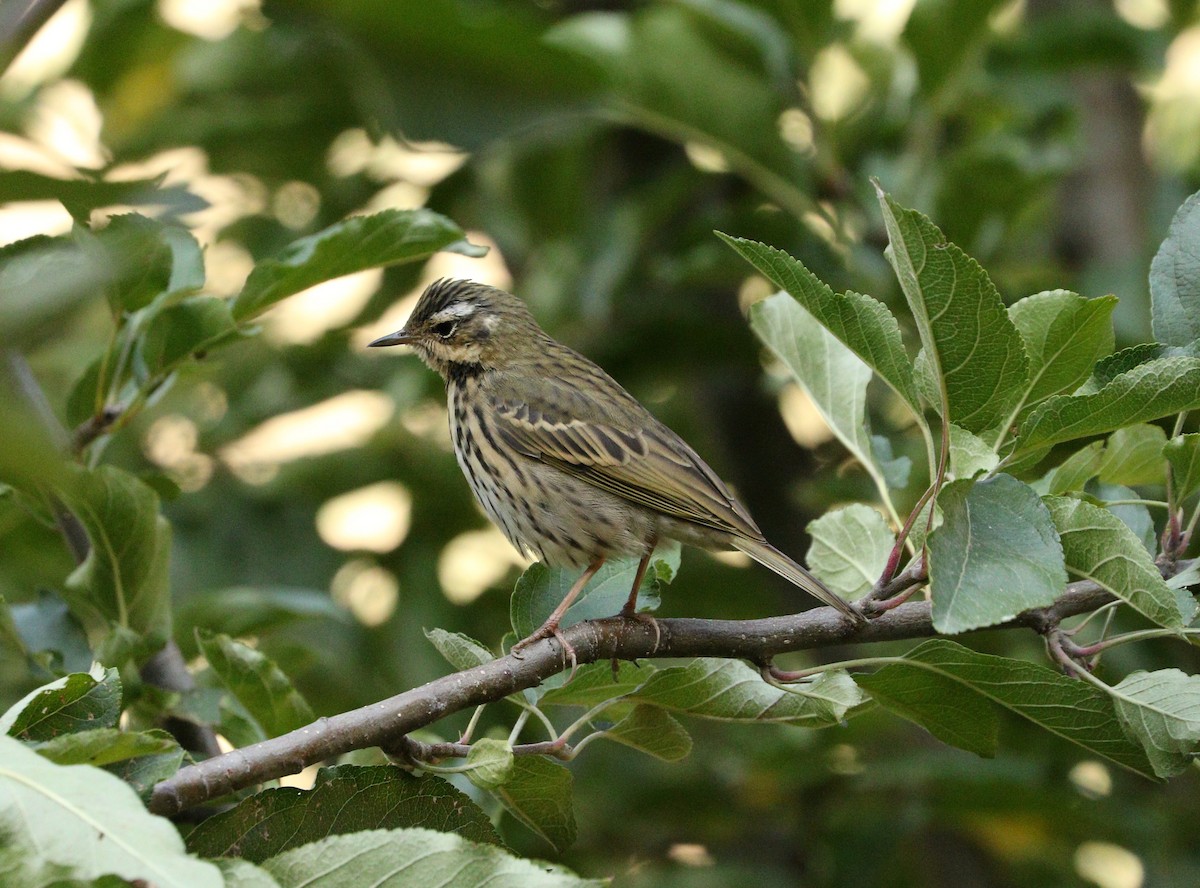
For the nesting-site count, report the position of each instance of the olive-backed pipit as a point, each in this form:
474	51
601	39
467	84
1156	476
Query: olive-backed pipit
569	465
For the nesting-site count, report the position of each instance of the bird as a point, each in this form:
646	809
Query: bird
568	464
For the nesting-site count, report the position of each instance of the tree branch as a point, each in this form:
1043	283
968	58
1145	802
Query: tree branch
386	722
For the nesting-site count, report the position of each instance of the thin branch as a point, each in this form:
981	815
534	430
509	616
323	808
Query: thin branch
891	591
893	561
385	722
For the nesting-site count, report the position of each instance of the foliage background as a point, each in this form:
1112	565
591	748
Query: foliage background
602	143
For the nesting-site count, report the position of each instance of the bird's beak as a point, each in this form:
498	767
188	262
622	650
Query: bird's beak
400	337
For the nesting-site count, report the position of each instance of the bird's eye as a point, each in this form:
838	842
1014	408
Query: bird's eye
445	328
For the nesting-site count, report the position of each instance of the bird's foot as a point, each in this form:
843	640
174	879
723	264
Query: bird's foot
646	619
629	613
549	629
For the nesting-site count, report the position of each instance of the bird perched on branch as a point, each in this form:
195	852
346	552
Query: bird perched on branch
566	462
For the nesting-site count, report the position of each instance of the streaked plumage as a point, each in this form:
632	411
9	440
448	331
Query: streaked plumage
566	462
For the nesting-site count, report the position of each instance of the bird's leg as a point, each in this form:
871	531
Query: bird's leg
630	608
549	629
629	611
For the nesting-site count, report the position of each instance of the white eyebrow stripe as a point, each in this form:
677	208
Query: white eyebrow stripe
450	312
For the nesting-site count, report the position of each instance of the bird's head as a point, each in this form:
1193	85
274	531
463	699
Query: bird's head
460	323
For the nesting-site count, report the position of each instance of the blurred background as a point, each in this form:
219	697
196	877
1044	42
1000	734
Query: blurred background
594	147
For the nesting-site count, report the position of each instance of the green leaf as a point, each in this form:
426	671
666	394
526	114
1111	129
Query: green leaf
834	377
461	651
29	458
257	683
593	684
538	793
179	331
22	872
540	589
74	703
1100	548
952	712
355	244
970	454
143	772
47	627
1077	470
729	690
1135	516
850	548
1175	279
861	323
243	874
1183	453
896	469
1134	455
1066	707
1161	710
412	857
720	99
1149	391
219	709
250	610
1189	576
1064	335
105	746
996	554
88	820
344	799
945	38
124	578
974	350
490	762
1110	367
651	730
44	279
83	397
137	248
82	196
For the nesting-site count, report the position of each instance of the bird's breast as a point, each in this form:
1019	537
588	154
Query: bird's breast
558	518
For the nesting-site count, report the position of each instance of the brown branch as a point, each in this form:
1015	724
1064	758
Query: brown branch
386	722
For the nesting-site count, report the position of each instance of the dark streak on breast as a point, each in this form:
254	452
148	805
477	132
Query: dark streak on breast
460	373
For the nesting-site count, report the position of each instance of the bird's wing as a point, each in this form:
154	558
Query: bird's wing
626	452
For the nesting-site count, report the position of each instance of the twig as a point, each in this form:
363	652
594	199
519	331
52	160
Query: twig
891	591
383	723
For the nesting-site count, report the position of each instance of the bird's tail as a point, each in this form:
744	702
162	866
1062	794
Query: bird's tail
768	556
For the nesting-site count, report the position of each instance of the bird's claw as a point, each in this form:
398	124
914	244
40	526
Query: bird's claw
549	630
629	614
